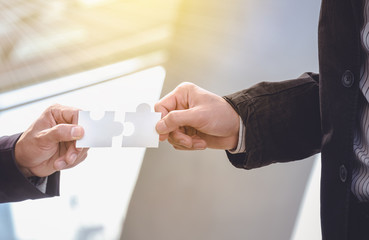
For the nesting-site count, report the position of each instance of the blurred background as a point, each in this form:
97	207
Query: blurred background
118	53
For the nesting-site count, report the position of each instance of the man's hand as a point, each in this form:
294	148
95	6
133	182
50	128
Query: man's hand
48	145
193	118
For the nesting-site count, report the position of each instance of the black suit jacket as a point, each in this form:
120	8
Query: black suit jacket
294	119
13	185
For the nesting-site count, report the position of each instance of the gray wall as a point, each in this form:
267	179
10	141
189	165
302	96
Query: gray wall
225	46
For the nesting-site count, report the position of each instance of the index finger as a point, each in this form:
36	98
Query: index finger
166	104
64	114
175	100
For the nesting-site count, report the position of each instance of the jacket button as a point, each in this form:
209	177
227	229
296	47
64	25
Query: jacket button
348	79
343	173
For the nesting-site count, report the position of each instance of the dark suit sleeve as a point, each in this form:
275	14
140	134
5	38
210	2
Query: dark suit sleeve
282	121
13	185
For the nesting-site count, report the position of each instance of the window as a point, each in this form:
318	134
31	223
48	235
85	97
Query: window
43	40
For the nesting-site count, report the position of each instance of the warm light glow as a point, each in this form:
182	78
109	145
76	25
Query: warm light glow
44	40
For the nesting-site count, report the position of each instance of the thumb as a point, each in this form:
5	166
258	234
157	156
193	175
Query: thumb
62	133
175	119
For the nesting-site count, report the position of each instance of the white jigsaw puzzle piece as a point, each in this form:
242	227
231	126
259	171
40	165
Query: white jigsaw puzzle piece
98	132
144	122
137	128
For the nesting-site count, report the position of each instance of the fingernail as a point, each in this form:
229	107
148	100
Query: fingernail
161	127
73	158
184	143
77	132
60	165
199	146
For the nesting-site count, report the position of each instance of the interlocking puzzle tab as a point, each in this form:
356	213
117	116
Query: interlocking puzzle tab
101	132
144	122
98	132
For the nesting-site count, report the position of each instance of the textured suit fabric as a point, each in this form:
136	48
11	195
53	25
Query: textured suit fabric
291	120
13	185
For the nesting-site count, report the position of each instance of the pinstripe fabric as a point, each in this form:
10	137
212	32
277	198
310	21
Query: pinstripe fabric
360	174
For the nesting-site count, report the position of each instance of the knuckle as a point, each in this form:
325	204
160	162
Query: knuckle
39	138
54	106
185	85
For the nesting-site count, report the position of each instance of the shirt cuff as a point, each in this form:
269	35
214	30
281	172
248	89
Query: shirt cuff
241	147
39	183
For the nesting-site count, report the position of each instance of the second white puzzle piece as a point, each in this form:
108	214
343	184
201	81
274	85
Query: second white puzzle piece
113	129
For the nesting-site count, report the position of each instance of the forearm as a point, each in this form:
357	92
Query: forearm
281	119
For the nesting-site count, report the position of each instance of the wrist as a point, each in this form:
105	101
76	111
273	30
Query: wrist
18	159
234	144
25	171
